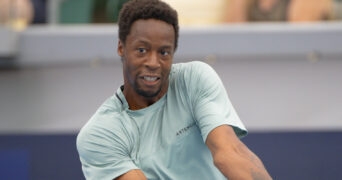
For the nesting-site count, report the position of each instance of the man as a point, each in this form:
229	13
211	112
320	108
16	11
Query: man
167	121
16	13
306	11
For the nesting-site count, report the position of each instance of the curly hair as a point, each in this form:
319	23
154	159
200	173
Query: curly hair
134	10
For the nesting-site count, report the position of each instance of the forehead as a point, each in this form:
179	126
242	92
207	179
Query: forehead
152	30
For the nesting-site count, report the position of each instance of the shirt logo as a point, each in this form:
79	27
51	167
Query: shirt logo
183	130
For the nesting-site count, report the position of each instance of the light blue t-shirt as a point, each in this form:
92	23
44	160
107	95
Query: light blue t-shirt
165	140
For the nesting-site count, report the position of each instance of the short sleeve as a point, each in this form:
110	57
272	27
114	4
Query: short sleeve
104	153
210	102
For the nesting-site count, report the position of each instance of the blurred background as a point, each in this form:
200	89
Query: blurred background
280	61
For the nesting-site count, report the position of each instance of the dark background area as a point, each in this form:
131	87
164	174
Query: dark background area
287	155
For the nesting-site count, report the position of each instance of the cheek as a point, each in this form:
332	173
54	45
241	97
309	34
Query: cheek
130	69
166	71
167	66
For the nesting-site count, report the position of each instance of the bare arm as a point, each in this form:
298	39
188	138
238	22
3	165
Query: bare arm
233	158
237	11
305	10
135	174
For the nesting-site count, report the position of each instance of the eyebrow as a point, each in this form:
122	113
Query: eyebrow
142	42
166	47
148	44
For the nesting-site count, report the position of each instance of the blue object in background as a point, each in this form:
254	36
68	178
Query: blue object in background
40	11
14	164
47	157
286	155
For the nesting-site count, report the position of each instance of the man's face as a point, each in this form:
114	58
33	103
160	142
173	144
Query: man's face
147	57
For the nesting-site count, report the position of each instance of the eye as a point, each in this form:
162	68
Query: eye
141	50
164	52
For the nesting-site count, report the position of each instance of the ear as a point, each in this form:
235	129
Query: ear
120	48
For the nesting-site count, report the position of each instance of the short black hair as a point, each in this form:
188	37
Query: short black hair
134	10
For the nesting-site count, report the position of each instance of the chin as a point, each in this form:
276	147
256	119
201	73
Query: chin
148	94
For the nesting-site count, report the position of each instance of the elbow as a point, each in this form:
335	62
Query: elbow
220	162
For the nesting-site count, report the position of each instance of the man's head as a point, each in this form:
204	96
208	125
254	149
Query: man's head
146	9
148	33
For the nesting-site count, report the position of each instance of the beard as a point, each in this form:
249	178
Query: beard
146	93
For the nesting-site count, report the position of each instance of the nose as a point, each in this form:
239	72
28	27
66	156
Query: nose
152	61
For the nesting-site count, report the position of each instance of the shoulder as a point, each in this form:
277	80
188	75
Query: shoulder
190	66
194	71
105	142
104	124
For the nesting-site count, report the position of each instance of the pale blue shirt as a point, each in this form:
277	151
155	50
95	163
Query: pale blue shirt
165	140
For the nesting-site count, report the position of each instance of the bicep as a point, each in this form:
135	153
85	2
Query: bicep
132	174
223	138
232	157
227	150
226	147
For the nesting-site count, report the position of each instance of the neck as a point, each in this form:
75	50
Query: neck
136	101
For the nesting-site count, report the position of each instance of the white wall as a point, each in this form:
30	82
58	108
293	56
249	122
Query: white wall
278	77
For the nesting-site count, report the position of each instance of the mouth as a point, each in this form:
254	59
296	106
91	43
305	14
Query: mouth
150	80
